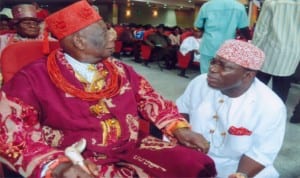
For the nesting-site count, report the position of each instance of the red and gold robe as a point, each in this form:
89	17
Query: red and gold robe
52	120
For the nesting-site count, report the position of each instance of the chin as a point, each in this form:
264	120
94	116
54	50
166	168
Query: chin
213	85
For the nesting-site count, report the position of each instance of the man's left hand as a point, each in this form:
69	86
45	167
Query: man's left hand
191	139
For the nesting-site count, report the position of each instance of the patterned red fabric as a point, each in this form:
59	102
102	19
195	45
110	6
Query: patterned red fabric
51	120
71	19
242	53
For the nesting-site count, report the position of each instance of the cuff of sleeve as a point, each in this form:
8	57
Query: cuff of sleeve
176	125
48	168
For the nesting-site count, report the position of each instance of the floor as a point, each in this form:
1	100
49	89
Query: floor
171	86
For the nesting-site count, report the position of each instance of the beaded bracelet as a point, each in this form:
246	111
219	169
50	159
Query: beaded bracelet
176	125
241	175
53	165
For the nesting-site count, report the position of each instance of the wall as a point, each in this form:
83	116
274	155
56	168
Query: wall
143	15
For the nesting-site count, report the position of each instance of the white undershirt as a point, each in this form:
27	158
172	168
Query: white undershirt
81	68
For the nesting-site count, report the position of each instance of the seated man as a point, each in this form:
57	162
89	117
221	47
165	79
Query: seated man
241	117
27	27
26	24
192	43
81	97
161	47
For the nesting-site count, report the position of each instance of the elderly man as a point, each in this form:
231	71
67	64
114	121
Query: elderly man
81	100
26	24
241	117
27	27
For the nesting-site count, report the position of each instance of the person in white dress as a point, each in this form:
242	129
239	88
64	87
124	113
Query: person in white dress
192	43
241	117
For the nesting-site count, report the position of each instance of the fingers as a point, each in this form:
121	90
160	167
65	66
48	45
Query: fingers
75	171
92	167
200	143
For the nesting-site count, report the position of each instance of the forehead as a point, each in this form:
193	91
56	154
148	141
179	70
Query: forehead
28	21
225	61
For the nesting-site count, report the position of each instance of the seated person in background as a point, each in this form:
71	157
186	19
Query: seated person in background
26	25
4	23
139	32
97	100
129	40
192	43
111	31
161	47
241	117
175	37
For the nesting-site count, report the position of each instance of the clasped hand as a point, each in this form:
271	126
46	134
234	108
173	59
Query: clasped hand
191	139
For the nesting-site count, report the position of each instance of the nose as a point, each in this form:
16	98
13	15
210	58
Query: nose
214	68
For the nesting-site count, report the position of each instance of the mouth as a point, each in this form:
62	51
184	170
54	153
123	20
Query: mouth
212	80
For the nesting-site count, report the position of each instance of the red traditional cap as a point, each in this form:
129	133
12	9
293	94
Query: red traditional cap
24	11
71	19
242	53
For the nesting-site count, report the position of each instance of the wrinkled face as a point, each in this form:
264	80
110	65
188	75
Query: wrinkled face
225	75
95	40
28	28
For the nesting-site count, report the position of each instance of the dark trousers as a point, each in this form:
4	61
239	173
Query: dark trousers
296	115
280	85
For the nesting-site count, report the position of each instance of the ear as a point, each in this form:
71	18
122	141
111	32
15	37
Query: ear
78	41
249	75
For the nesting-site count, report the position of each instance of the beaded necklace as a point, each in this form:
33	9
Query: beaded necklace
112	88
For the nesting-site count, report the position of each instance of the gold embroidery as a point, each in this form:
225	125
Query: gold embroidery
148	163
111	131
153	143
133	126
99	108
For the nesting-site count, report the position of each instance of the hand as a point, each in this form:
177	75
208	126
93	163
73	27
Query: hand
9	107
191	139
72	170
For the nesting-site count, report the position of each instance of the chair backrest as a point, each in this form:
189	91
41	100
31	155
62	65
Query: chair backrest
17	55
185	35
145	52
184	60
118	46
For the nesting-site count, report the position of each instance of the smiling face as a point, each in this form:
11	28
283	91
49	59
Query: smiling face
229	77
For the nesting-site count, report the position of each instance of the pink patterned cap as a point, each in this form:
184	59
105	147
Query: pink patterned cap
242	53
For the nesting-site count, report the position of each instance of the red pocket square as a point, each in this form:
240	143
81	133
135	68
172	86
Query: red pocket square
239	131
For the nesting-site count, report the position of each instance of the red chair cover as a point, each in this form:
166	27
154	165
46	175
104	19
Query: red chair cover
17	55
185	35
183	61
118	46
145	52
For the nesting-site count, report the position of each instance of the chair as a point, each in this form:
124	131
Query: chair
185	35
184	62
17	55
118	49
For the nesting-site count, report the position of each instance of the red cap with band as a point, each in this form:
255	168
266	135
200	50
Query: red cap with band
71	19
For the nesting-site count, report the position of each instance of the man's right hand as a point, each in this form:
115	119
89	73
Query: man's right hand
69	170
